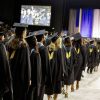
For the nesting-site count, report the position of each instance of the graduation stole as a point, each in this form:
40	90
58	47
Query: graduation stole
51	55
68	54
77	51
91	50
12	55
7	53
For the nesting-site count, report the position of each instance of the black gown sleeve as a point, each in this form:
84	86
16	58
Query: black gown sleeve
83	51
5	74
35	69
21	67
46	70
26	66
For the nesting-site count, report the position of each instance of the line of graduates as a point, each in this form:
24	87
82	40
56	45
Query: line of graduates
35	64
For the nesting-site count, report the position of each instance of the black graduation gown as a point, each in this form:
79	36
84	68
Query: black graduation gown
82	62
98	60
20	66
96	56
5	73
57	71
84	56
49	88
91	57
65	70
35	75
70	63
99	55
78	64
46	71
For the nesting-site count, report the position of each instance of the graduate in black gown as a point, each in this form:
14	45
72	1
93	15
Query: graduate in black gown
5	73
91	59
65	66
51	48
70	63
98	54
45	65
20	63
79	58
58	66
34	89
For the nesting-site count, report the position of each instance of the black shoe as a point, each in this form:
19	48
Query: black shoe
66	95
63	91
82	75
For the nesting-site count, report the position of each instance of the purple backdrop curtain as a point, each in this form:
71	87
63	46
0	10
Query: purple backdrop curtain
86	22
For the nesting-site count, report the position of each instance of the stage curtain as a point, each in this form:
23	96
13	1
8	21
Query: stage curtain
96	24
74	17
86	22
72	21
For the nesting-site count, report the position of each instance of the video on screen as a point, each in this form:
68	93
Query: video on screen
35	15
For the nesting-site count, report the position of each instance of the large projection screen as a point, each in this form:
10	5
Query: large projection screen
35	15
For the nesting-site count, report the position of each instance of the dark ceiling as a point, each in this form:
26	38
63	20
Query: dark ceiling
10	9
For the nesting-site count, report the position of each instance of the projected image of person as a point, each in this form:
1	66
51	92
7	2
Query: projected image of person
33	13
37	18
29	17
43	20
48	18
23	16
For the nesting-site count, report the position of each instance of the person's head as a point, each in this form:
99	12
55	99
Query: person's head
2	36
59	42
46	33
77	39
51	46
40	38
22	11
48	15
32	41
91	41
40	35
28	11
21	30
78	43
67	41
56	40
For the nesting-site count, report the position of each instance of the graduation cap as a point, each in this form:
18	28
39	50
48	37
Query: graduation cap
20	25
48	40
54	37
37	33
77	36
31	40
67	39
91	41
2	33
1	23
40	32
13	29
19	28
